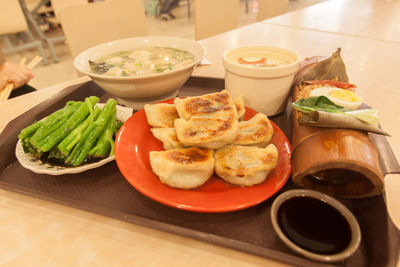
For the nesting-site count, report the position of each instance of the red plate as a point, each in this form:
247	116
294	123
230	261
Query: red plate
134	142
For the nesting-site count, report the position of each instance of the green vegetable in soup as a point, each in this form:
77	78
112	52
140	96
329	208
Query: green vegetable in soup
99	67
141	61
123	53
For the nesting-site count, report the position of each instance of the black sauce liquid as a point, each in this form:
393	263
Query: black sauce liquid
314	225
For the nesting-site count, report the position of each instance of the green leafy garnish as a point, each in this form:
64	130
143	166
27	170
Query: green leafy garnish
99	67
122	53
370	116
123	62
160	69
322	103
317	103
176	49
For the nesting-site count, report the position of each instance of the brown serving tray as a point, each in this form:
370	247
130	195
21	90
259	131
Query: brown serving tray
105	191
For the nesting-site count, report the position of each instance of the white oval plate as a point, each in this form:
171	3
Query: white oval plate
37	166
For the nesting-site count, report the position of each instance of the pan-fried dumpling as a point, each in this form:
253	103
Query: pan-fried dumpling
205	106
245	165
239	104
206	132
161	115
167	136
208	121
184	168
256	131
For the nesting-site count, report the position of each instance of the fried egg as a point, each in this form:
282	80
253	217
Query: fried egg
341	97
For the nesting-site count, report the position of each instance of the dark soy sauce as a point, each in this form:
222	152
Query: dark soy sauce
314	225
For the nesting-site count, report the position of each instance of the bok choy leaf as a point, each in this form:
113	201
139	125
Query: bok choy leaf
322	103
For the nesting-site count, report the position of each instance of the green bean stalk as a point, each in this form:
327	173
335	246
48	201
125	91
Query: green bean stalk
82	148
77	133
106	141
69	125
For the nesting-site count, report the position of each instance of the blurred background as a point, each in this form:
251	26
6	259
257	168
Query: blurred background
40	27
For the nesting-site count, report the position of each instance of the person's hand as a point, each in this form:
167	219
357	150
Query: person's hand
14	73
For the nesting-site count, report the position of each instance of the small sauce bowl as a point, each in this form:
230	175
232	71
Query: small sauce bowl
315	225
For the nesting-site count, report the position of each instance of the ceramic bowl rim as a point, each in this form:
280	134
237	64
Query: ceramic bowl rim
251	71
79	67
354	226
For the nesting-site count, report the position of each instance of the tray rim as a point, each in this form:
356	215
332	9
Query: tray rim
146	222
166	227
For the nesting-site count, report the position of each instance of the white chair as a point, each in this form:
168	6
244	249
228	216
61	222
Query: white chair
14	24
90	24
271	8
32	17
57	5
214	16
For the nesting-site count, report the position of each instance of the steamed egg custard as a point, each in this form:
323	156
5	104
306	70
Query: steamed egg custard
262	59
342	97
141	61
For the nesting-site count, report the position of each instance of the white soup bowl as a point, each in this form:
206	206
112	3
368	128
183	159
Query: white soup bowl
135	91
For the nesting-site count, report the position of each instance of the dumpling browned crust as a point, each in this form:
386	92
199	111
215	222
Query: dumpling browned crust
206	132
192	127
161	115
257	131
204	106
245	165
240	109
167	136
208	121
184	168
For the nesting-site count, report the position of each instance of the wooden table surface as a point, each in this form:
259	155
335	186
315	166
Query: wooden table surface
374	19
38	232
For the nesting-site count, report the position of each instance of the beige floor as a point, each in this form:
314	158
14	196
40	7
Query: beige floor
182	26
